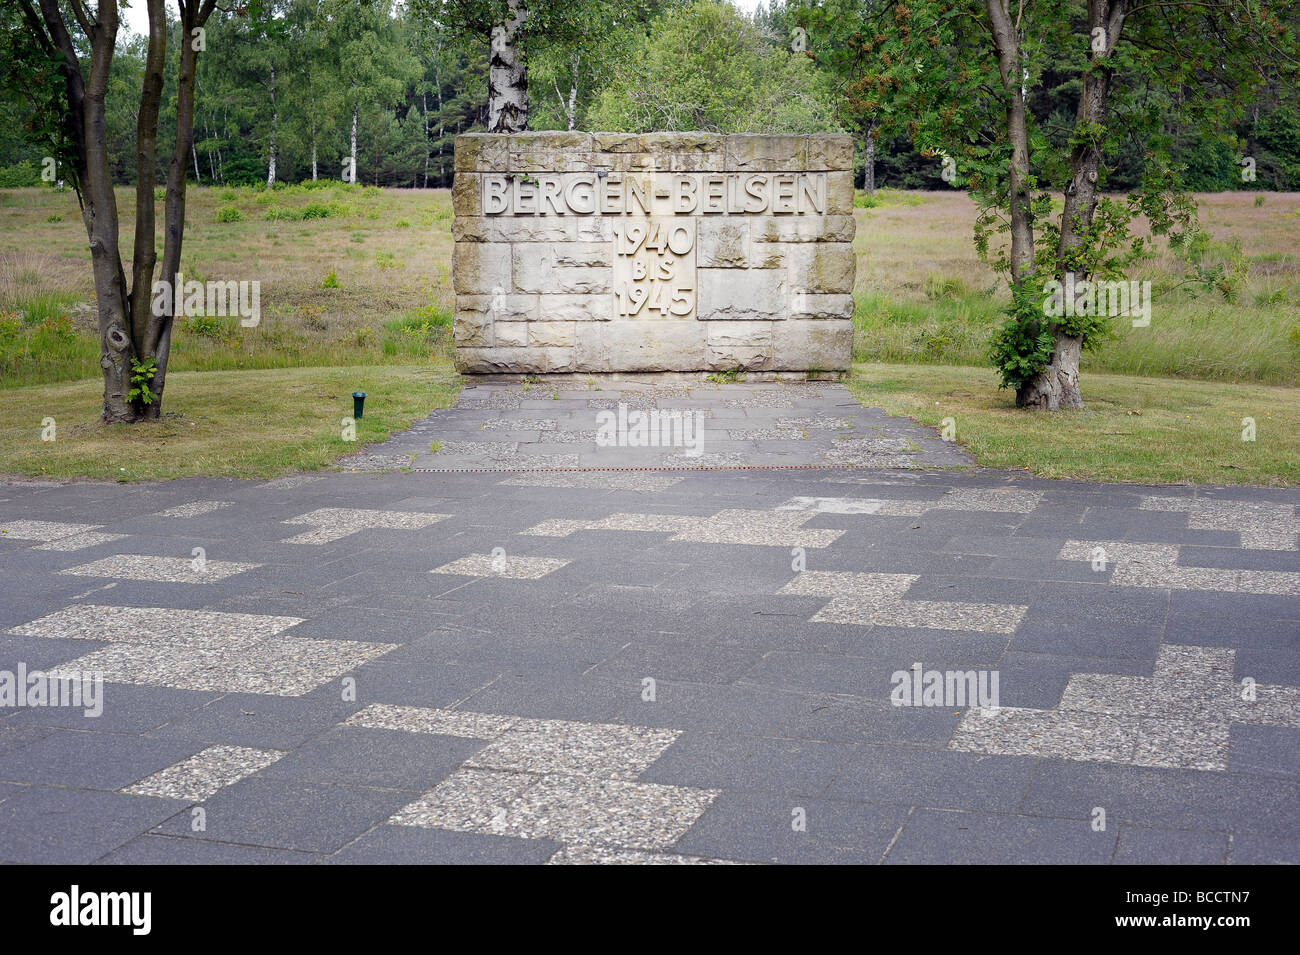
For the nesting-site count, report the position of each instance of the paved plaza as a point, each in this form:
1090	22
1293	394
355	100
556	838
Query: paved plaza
815	635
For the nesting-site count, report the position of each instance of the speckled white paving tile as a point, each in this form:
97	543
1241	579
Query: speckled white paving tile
598	855
56	535
195	508
1004	500
421	719
731	526
511	567
1263	525
1179	717
335	523
202	628
204	773
200	650
175	570
877	600
548	779
607	751
604	480
574	809
1156	565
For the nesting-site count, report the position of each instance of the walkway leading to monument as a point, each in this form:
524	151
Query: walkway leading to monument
658	421
826	664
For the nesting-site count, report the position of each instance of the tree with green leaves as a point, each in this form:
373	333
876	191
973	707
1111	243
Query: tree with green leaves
572	31
962	77
705	66
375	66
72	47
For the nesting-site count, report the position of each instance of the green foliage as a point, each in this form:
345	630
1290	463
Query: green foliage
331	280
142	372
20	175
703	66
229	214
1023	346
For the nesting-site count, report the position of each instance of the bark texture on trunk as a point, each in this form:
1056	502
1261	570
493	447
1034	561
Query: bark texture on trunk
1057	386
1011	71
869	160
508	74
158	337
352	159
275	123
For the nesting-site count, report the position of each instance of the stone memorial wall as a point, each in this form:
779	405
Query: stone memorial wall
612	252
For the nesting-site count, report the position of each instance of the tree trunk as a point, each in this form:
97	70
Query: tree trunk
573	94
869	161
508	74
352	163
1057	386
1011	72
158	339
87	129
313	155
424	102
275	122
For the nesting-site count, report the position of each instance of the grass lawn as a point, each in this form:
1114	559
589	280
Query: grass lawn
242	424
1145	430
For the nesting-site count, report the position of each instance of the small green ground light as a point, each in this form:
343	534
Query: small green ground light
358	403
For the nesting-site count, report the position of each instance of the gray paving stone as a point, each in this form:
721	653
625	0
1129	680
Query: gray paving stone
1164	798
749	763
1265	750
255	719
757	827
1245	849
973	838
57	826
1138	846
83	760
289	815
152	849
909	776
414	845
372	759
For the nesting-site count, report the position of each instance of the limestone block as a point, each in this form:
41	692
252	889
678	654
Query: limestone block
467	194
801	228
473	329
812	345
480	152
818	267
481	268
500	307
811	306
761	152
574	267
551	152
575	308
722	242
617	143
742	294
828	151
511	334
500	361
839	193
514	229
558	360
552	334
637	345
744	346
